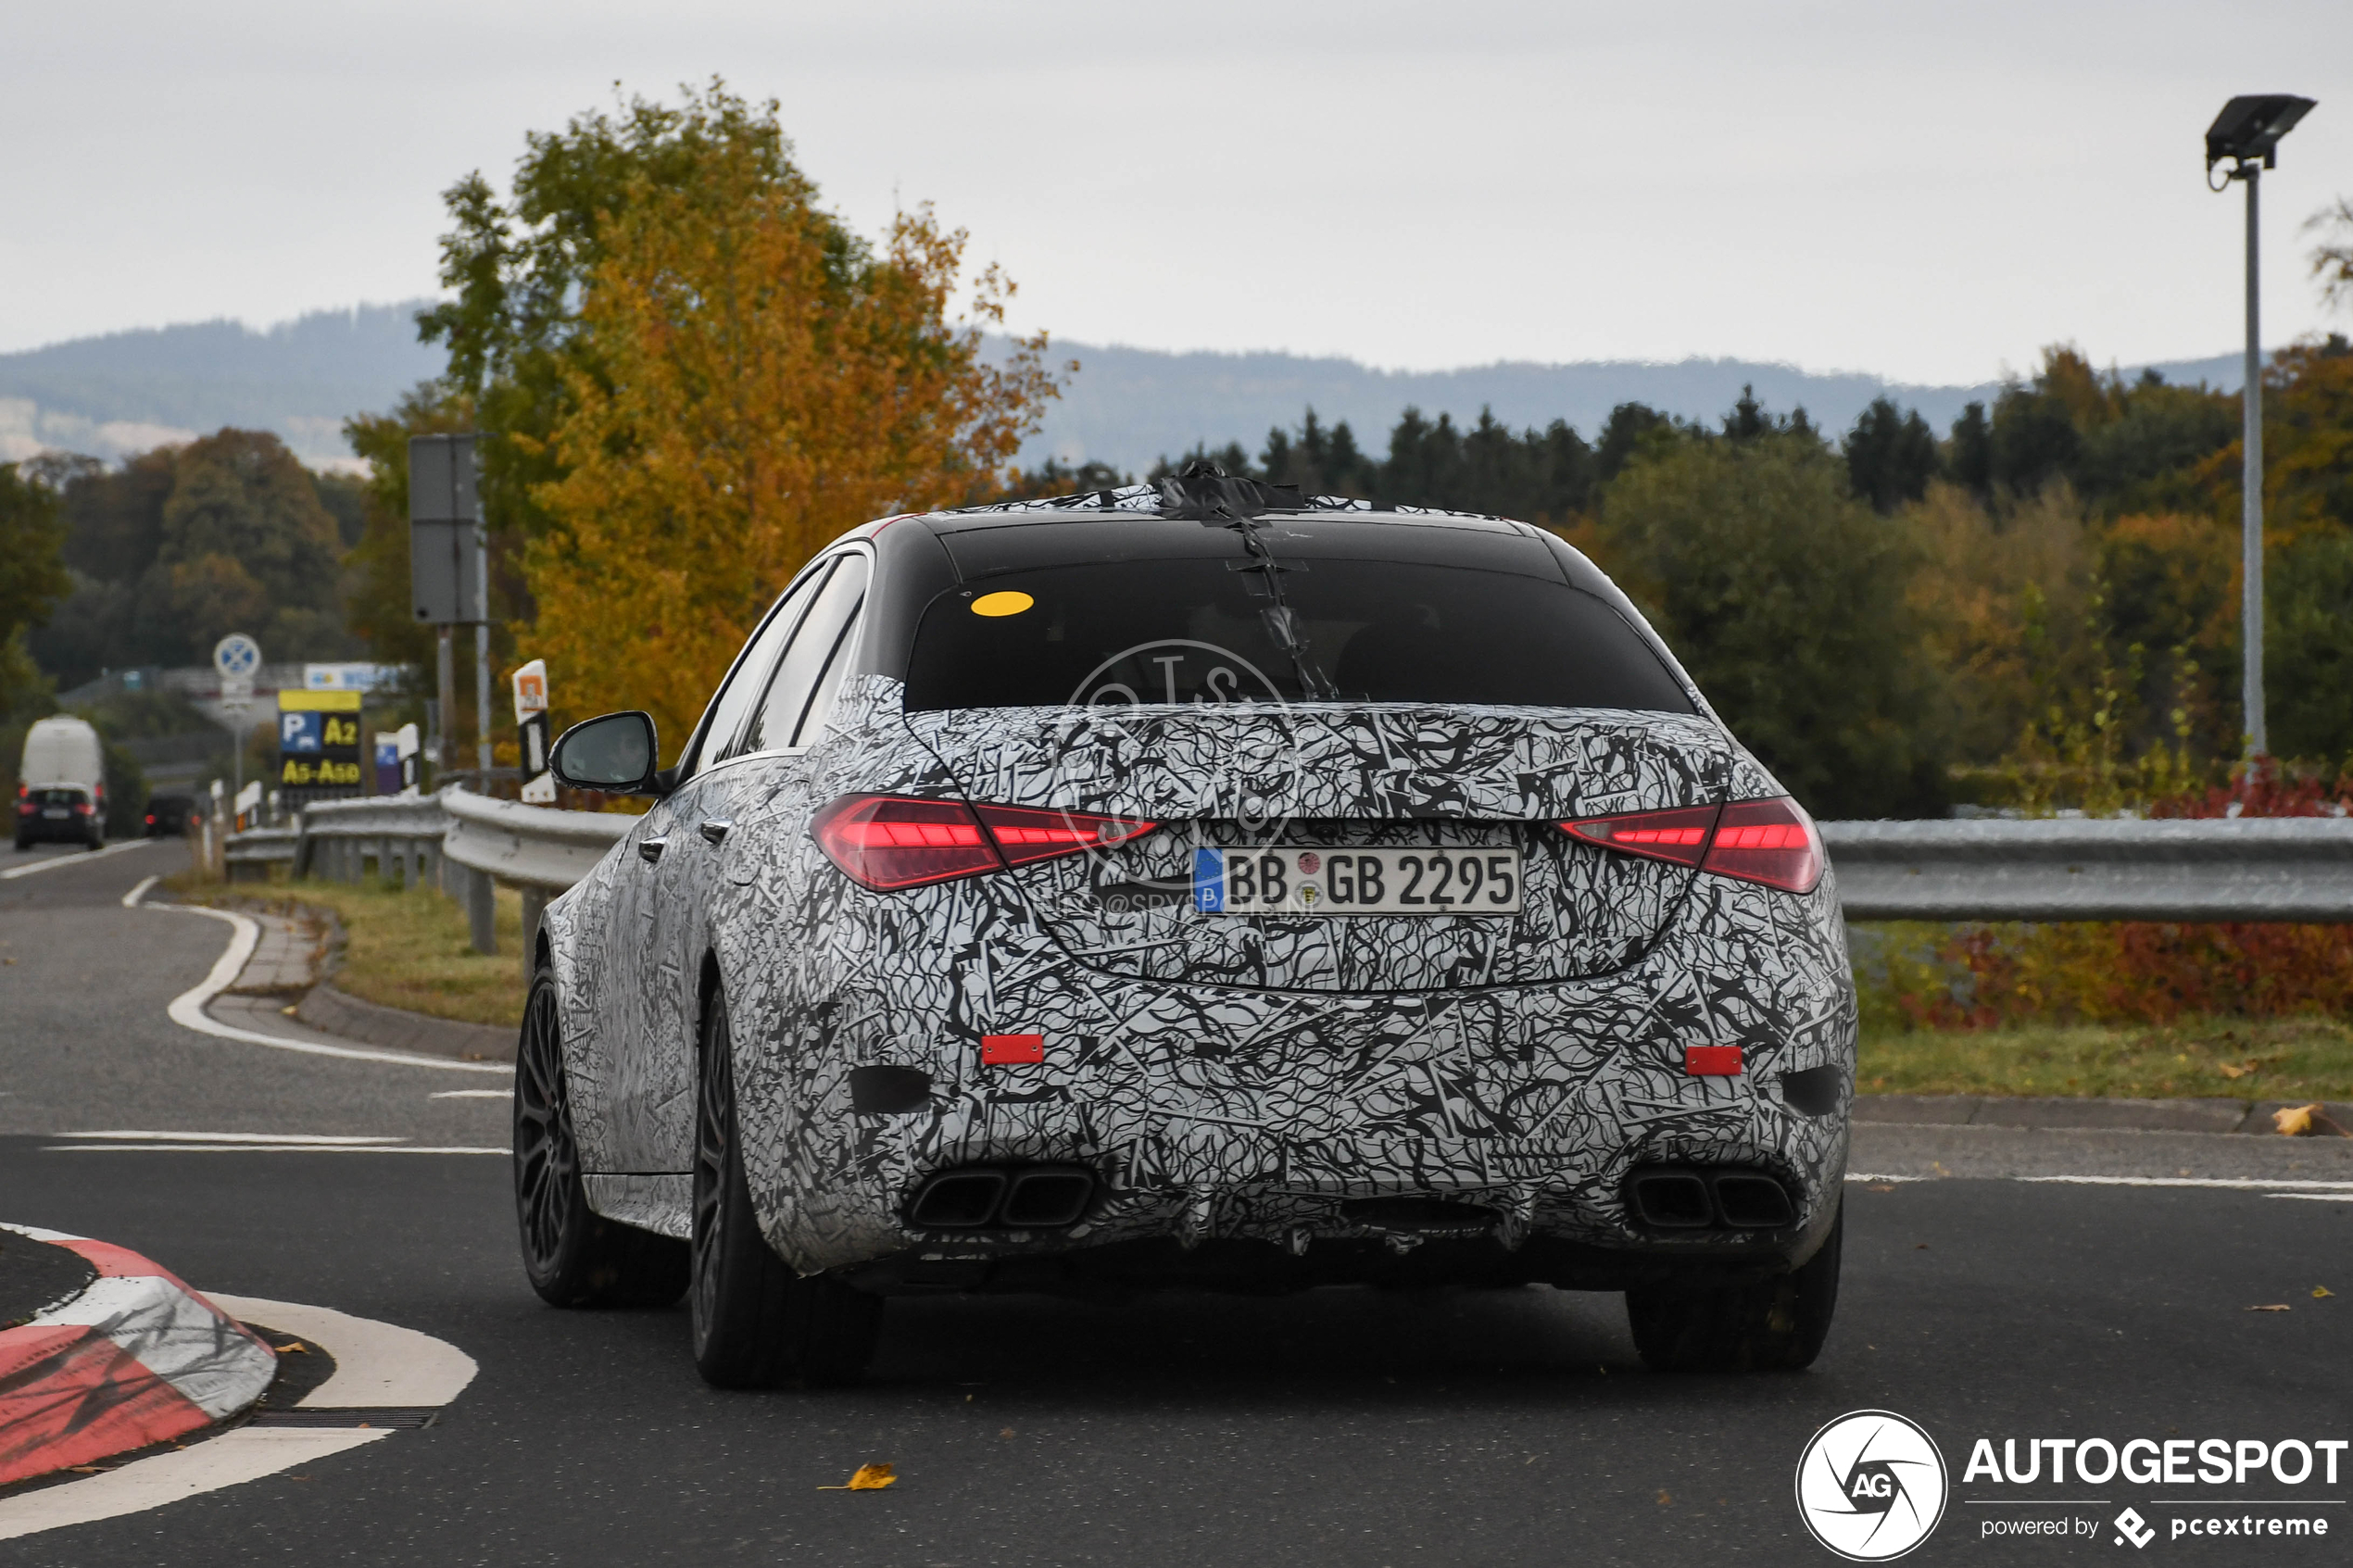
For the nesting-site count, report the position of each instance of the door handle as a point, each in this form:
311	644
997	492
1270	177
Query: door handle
650	849
713	829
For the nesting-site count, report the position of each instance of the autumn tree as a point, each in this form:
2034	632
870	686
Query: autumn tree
749	385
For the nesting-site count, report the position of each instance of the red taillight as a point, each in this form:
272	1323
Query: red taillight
1679	835
1024	834
82	808
1769	841
889	842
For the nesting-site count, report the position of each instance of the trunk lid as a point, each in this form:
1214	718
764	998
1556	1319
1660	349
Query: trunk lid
1338	776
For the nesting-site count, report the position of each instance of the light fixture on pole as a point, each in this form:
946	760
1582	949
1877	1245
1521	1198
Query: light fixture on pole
2247	132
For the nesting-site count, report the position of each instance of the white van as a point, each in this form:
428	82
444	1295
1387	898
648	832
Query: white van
61	784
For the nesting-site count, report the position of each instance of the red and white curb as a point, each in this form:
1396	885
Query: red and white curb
377	1365
136	1359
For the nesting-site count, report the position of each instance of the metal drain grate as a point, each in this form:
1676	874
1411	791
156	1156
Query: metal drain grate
391	1417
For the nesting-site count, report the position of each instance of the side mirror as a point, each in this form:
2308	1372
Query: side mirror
613	752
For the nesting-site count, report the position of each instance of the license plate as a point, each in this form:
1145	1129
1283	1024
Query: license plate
57	814
1280	879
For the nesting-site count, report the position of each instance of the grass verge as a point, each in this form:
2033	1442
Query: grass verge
402	949
2211	1057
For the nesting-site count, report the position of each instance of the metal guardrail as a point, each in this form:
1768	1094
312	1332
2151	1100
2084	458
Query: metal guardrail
2059	869
527	847
534	848
253	851
402	833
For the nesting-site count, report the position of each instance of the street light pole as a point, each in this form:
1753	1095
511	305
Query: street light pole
2247	132
2251	484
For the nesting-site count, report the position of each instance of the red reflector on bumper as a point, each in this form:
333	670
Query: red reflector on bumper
999	1050
1712	1061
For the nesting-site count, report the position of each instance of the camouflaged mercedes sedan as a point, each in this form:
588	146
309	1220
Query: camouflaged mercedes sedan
1194	886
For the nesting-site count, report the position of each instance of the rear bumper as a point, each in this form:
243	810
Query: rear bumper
38	831
1212	1116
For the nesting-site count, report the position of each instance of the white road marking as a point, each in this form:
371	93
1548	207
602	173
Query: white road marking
131	899
2235	1182
82	859
235	1137
261	1148
2271	1188
2314	1197
471	1094
376	1364
247	1454
187	1009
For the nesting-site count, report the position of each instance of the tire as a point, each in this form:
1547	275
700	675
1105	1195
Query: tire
758	1325
1768	1325
574	1256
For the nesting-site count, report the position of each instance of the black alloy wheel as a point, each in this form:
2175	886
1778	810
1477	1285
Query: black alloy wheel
756	1324
1774	1324
574	1256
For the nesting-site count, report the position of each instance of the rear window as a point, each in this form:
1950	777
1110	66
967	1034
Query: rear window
60	797
1187	631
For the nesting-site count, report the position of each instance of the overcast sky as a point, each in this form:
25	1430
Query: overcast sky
1927	192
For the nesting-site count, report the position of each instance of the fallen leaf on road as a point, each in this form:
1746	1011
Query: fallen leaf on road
2321	1293
870	1479
1662	1499
2294	1120
2274	1306
1006	1432
1880	1187
291	1347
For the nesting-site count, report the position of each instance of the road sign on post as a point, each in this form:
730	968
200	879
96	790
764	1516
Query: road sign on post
445	531
405	745
449	568
531	718
236	657
319	742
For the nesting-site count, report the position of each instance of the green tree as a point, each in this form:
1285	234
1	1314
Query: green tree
1891	455
33	579
247	546
1784	597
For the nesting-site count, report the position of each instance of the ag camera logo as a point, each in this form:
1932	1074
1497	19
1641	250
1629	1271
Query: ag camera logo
1871	1486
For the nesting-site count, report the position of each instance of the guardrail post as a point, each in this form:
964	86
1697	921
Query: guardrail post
482	911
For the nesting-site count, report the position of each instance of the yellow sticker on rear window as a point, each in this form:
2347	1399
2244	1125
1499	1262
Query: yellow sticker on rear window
1007	603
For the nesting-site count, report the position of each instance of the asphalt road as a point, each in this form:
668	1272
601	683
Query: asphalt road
1340	1427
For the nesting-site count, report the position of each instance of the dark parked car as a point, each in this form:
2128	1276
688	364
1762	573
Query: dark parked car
170	815
58	812
1195	885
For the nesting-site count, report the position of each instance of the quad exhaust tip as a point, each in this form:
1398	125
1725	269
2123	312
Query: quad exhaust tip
1016	1197
1694	1198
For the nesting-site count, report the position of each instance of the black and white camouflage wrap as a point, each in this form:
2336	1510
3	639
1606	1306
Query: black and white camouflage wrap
1229	1077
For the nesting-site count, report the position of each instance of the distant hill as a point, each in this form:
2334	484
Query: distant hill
1129	407
129	391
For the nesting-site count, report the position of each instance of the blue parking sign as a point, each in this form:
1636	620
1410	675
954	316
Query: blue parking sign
301	732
